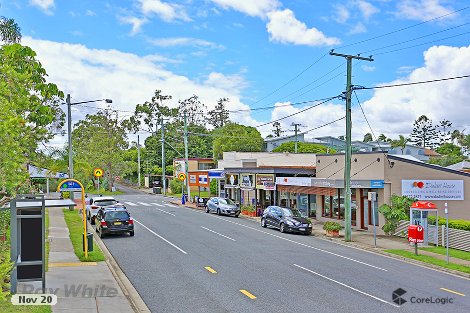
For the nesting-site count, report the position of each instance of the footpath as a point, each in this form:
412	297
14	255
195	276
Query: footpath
79	286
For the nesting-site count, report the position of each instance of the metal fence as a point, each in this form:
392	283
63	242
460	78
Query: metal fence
458	239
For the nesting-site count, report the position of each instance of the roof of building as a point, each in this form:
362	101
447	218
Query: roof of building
194	159
430	152
435	167
464	165
284	137
39	172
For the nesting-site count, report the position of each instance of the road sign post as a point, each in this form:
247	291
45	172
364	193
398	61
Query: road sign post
72	185
98	172
182	177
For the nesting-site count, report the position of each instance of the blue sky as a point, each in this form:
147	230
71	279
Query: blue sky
246	50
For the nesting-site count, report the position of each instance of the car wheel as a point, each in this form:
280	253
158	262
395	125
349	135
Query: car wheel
282	228
88	216
131	233
100	234
207	209
308	233
218	211
92	220
263	223
237	215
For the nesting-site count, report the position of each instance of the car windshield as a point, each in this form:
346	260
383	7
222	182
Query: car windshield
291	212
226	201
105	202
116	215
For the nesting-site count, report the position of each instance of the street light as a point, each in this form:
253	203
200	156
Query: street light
69	129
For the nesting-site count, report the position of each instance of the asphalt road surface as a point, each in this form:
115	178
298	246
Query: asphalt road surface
184	260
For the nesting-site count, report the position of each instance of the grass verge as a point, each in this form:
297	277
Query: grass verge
459	254
7	307
104	192
430	260
75	225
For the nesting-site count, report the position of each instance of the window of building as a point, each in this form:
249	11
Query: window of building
205	166
326	207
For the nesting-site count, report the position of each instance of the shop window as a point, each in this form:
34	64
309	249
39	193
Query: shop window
312	202
326	212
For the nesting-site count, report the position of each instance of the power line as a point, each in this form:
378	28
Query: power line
411	83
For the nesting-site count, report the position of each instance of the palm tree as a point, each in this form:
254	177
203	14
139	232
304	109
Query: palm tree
400	143
367	137
457	136
10	32
382	137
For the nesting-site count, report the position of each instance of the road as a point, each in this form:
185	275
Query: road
184	260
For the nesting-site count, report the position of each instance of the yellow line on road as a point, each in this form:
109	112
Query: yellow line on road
248	294
210	269
451	291
72	264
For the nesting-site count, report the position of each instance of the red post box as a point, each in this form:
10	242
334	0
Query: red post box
416	233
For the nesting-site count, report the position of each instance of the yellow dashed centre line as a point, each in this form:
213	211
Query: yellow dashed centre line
248	294
454	292
210	270
72	264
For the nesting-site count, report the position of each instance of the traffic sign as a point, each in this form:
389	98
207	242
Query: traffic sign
182	176
98	172
118	178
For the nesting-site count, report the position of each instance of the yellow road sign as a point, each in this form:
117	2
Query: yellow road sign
182	176
98	172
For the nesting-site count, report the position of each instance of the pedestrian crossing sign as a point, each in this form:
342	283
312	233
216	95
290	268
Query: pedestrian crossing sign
98	172
182	176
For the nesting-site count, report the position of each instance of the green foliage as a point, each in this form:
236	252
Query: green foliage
332	226
367	137
213	186
10	32
5	264
455	224
451	154
248	208
400	143
395	213
449	148
236	137
176	185
303	147
424	133
220	115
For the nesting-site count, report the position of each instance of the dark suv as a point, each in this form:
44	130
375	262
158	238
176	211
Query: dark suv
287	220
114	220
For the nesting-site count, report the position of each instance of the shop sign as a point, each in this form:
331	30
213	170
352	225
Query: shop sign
323	182
247	181
433	189
192	179
231	180
294	181
267	185
263	180
216	174
203	180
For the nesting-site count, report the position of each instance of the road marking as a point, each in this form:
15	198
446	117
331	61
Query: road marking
144	204
217	233
131	203
72	264
248	294
173	206
165	212
347	286
210	270
167	241
305	245
451	291
158	204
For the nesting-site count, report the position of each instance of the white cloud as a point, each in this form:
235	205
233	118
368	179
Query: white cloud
90	13
45	5
393	110
258	8
166	11
368	68
135	22
230	83
422	10
285	28
366	8
184	41
358	29
342	14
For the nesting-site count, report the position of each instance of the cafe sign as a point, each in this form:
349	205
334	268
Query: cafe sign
265	182
433	189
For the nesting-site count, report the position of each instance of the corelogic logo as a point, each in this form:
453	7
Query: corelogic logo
396	296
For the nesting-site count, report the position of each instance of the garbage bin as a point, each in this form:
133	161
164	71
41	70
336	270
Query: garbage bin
89	237
157	190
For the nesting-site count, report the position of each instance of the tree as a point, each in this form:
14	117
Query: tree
444	131
29	115
219	116
400	143
424	133
303	147
277	129
367	137
457	137
236	137
195	110
451	154
100	141
10	32
383	138
341	137
396	212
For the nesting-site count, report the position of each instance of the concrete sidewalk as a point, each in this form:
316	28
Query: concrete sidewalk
79	286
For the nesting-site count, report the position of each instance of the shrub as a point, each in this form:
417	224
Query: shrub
248	208
176	185
455	224
395	213
5	264
332	226
213	186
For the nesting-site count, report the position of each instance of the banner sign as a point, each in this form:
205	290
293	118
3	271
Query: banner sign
433	189
203	180
231	180
261	179
198	179
247	181
70	186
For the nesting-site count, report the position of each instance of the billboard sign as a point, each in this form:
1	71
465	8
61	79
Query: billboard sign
433	189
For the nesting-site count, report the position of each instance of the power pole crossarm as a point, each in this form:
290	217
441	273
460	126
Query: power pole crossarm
348	152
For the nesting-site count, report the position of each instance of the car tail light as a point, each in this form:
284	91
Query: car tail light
94	207
131	221
103	223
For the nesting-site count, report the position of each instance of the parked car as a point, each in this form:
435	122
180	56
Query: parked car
222	206
98	203
286	220
114	220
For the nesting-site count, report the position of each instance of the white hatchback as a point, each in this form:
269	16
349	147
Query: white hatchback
97	203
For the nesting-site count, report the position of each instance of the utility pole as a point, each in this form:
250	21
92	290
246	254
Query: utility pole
296	126
186	161
163	158
69	135
138	160
348	152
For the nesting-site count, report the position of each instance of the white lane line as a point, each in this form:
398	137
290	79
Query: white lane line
165	212
173	206
347	286
158	204
217	233
144	204
304	245
131	203
165	240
